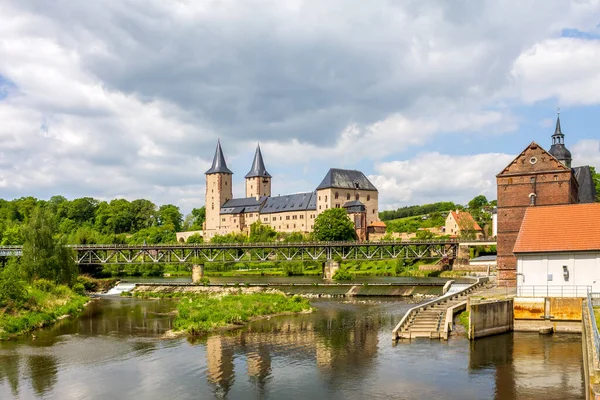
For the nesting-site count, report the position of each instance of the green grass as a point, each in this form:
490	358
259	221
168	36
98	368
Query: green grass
597	315
203	313
42	308
463	319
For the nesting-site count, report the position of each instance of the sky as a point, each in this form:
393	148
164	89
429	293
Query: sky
126	99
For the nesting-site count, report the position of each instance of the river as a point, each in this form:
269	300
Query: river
341	351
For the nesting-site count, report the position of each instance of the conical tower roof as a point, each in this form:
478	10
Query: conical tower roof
558	148
258	166
219	166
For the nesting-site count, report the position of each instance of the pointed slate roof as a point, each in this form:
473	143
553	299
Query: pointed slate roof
346	179
219	166
258	166
558	148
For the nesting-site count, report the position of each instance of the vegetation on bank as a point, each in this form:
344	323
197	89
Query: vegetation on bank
463	319
203	313
29	307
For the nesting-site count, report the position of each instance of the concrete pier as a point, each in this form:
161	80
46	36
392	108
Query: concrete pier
329	269
197	273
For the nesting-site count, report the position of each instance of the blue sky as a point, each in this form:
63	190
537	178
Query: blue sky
429	99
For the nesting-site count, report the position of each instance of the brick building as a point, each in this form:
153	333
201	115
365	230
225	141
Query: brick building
536	177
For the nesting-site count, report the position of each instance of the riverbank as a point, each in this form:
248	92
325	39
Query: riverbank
200	313
43	304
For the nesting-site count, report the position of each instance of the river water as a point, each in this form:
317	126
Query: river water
341	351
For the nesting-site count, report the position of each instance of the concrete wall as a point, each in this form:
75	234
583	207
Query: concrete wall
490	318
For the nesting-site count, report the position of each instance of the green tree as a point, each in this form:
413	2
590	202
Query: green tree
333	225
43	255
596	179
261	233
424	234
12	290
195	238
478	202
170	217
144	214
83	210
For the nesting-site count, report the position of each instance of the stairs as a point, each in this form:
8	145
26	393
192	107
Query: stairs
428	320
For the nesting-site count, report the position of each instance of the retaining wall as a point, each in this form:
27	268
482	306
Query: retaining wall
490	318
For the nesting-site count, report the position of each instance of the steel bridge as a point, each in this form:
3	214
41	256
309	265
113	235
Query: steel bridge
259	252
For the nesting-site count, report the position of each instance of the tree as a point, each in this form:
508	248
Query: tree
596	179
478	202
195	238
261	233
170	217
44	256
334	225
82	210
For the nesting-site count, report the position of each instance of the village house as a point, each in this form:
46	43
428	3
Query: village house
558	251
461	224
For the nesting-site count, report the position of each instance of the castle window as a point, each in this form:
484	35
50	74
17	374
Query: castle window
294	226
336	195
532	197
325	198
274	218
301	216
373	211
287	217
319	207
251	187
319	198
356	196
288	226
348	196
555	177
280	218
368	197
212	206
337	205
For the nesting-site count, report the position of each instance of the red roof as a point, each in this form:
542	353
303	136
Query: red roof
378	223
570	227
465	219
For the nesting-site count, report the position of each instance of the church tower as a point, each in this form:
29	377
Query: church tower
558	148
218	190
258	180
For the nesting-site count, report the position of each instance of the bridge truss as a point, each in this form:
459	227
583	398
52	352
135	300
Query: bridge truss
254	252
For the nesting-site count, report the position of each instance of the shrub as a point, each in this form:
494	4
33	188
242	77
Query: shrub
12	289
44	285
342	275
79	289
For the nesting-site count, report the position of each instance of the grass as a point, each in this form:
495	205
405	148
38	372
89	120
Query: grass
463	319
203	313
597	315
41	308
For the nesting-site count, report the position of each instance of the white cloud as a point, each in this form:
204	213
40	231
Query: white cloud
431	177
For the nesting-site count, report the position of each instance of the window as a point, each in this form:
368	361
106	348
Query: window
280	218
234	220
555	177
373	211
356	196
274	218
336	195
251	187
319	207
222	219
348	196
294	226
368	197
326	206
325	198
532	179
212	206
301	216
288	226
319	198
337	205
532	199
287	217
266	219
510	181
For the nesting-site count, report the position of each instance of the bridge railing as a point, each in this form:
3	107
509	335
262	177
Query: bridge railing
553	290
450	296
593	299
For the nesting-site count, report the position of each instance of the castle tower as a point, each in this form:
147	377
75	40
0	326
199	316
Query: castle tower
218	190
558	148
258	180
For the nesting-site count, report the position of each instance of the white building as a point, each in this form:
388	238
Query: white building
558	251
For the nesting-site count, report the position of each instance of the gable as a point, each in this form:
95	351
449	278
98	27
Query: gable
531	160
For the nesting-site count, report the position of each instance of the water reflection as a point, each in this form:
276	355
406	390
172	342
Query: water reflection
343	350
526	365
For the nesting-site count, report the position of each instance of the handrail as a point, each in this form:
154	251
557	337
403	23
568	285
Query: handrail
593	318
436	300
263	244
553	290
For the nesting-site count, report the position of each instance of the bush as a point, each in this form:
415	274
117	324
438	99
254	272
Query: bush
44	285
342	275
79	289
12	289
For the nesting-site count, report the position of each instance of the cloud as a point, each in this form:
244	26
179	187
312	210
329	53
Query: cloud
127	98
432	177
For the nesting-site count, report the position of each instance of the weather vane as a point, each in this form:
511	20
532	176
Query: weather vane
558	110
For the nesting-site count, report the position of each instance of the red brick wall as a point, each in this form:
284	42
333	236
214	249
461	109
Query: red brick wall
552	183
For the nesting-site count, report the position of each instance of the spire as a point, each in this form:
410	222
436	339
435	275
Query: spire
258	166
219	166
558	148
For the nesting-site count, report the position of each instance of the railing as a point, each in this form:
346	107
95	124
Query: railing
553	291
409	313
594	299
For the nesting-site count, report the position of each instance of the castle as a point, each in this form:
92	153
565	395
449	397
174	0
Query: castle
340	188
536	177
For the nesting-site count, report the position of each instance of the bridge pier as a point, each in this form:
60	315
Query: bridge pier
197	272
330	267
